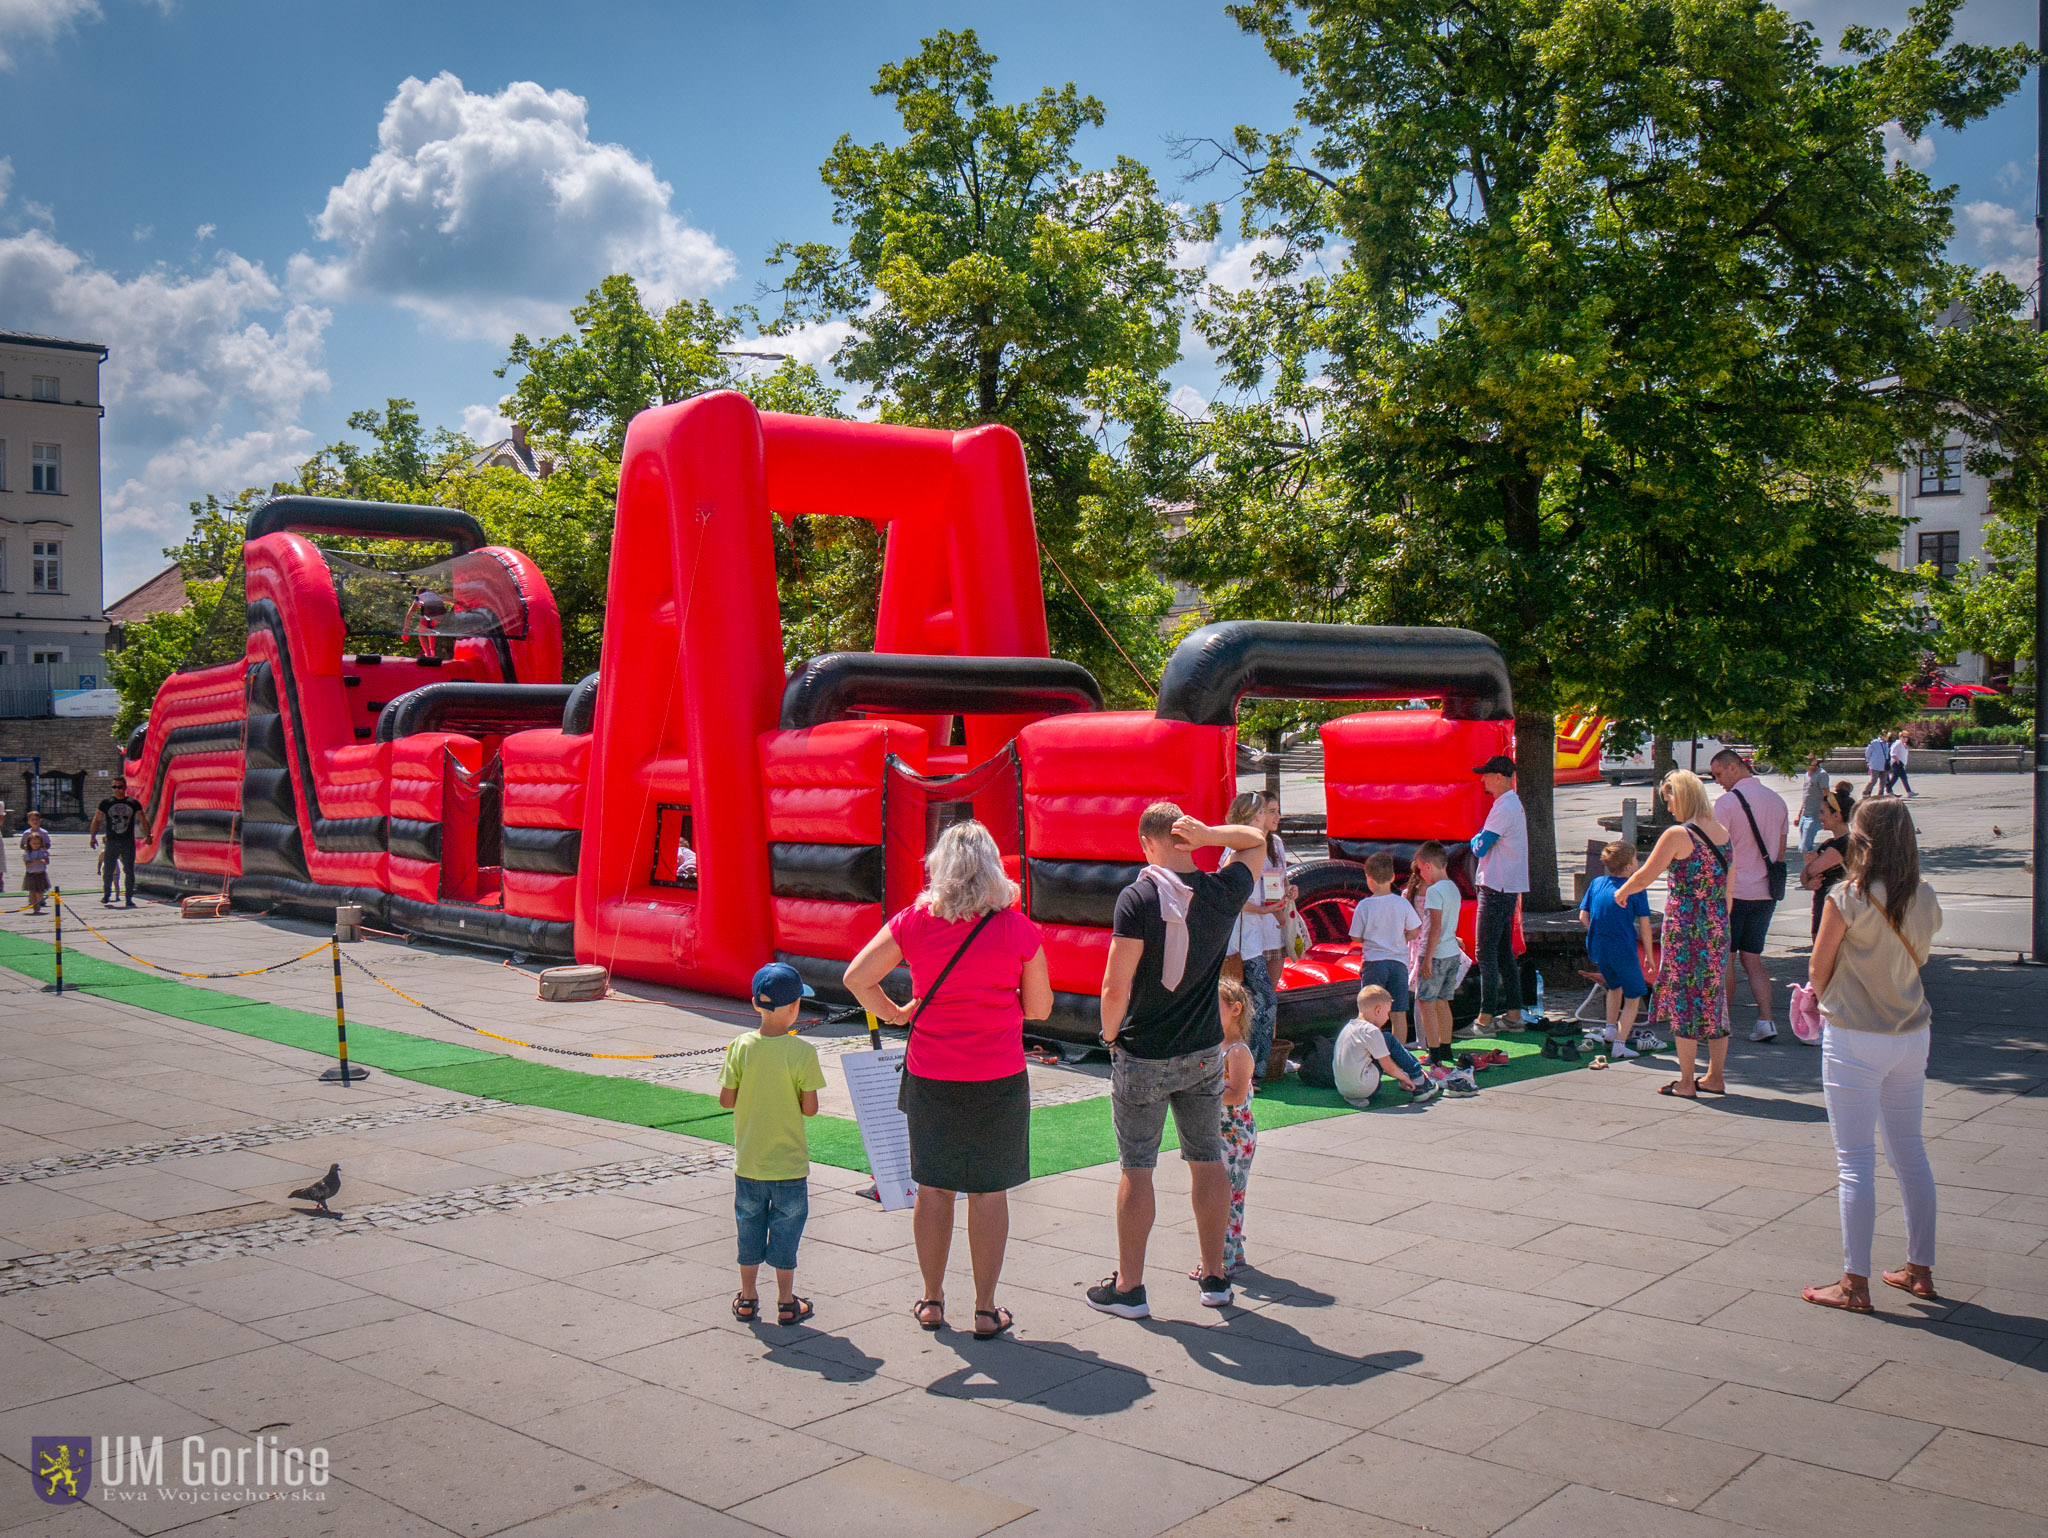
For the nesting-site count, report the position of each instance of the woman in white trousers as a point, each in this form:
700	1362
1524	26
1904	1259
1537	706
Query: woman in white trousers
1874	937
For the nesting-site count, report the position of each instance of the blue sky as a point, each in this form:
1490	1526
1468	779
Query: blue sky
276	211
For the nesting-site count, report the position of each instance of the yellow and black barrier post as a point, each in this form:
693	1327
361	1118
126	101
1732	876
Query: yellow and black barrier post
343	1071
57	915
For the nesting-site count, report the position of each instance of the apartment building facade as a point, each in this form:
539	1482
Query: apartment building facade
1946	509
50	559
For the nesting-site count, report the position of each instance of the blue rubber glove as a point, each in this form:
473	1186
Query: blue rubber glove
1484	843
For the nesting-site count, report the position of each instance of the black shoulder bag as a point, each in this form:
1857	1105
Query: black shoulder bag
910	1025
1774	870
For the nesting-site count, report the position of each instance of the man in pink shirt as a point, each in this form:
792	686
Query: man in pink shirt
1757	824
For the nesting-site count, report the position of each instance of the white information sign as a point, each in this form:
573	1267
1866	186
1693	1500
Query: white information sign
872	1079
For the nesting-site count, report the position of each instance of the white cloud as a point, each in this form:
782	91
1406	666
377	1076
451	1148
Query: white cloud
1901	146
6	176
2012	177
486	214
39	22
485	424
1230	267
812	344
206	373
204	232
2004	239
1189	402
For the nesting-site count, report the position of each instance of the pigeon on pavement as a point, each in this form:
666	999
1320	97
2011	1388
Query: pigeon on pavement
320	1190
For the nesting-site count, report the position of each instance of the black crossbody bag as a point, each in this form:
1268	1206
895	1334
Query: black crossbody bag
1774	870
910	1025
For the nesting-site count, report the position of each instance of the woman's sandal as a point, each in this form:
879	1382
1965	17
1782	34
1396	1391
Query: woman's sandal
745	1309
1847	1301
1670	1087
795	1311
917	1312
1001	1317
1912	1279
1707	1089
1599	1061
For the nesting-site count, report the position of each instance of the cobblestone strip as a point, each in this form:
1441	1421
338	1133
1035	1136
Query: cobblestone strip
268	1234
239	1140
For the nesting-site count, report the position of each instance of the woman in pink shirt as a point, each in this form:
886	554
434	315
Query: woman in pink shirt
965	1090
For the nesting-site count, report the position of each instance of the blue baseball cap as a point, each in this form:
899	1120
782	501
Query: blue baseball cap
776	986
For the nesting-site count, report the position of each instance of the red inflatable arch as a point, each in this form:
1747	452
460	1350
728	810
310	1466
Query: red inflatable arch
693	665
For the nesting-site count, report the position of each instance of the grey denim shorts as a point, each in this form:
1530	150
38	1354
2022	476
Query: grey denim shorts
1143	1089
1442	982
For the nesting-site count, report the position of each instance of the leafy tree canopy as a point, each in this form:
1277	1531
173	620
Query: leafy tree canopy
987	277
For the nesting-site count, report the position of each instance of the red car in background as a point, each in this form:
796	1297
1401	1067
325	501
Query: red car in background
1942	694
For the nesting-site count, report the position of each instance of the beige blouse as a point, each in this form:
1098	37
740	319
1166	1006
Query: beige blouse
1876	983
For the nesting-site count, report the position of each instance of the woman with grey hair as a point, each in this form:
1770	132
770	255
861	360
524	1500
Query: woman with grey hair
977	973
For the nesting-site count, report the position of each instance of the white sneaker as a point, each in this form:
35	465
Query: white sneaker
1622	1049
1765	1031
1649	1041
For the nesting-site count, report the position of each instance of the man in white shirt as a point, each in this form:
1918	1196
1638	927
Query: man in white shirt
1503	849
1897	776
1757	824
1877	757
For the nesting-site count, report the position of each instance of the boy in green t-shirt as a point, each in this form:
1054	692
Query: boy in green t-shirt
770	1083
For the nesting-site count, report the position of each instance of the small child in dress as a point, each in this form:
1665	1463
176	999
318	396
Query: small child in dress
1240	1132
1382	923
1365	1053
770	1083
35	862
1617	939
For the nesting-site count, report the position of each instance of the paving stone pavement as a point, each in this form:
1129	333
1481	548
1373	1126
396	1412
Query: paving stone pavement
1564	1307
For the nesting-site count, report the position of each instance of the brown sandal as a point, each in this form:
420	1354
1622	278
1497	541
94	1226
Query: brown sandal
1849	1302
917	1312
745	1309
1001	1317
1913	1279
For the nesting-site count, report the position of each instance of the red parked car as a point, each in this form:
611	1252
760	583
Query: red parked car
1942	694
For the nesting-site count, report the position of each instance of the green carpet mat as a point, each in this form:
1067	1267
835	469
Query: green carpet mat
1063	1137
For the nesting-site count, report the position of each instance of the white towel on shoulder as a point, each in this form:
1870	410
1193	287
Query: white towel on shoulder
1174	897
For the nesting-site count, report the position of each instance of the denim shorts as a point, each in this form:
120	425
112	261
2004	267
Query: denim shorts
771	1215
1749	924
1143	1089
1390	975
1442	983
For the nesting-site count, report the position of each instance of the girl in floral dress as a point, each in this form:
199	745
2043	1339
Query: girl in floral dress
1240	1133
1693	856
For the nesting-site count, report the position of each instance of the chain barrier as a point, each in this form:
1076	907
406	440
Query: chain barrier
173	971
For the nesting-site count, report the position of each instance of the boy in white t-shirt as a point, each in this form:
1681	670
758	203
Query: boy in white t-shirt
1382	923
1443	959
1364	1053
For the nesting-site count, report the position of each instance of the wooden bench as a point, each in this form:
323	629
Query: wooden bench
1986	756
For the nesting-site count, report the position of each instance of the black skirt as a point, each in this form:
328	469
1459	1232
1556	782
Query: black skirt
971	1135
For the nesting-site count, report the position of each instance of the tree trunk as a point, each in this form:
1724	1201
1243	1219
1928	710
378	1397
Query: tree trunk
1274	740
1536	779
1661	764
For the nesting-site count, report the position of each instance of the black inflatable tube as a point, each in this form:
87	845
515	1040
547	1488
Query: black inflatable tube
579	716
1219	665
477	708
831	687
371	520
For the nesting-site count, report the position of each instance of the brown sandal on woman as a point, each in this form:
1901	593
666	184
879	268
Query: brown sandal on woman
1001	1317
917	1312
1849	1299
1918	1280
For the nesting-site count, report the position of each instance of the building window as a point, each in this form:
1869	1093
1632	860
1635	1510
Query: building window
46	566
46	654
3	464
43	387
1943	551
1941	472
46	468
3	563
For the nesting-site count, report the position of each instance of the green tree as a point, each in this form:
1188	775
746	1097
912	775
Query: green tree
402	462
621	359
1572	313
987	277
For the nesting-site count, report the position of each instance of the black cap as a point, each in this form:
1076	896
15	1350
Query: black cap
1500	763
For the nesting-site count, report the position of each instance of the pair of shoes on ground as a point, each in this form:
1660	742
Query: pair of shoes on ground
1105	1297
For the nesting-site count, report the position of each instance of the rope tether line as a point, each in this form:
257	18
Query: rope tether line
173	971
514	1041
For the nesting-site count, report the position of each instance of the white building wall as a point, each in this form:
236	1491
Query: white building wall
1923	496
50	400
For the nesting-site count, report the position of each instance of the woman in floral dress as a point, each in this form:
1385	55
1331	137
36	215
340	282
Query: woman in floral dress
1693	857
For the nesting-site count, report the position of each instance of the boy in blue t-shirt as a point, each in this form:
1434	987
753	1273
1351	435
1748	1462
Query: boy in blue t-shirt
1614	935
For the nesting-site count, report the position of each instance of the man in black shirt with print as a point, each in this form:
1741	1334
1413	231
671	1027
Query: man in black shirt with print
117	816
1159	1016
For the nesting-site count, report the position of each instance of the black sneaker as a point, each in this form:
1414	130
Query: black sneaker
1216	1292
1105	1299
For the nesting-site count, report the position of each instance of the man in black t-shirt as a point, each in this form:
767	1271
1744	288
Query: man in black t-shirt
118	815
1159	1016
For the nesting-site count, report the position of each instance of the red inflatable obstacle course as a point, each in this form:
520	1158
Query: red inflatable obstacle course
402	739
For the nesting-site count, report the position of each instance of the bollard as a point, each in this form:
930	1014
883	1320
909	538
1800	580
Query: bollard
874	1030
57	915
1628	821
343	1071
